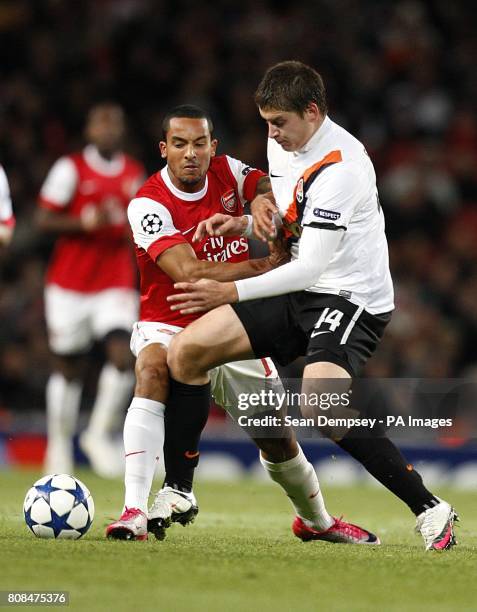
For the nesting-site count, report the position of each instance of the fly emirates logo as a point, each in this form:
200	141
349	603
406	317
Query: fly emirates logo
222	249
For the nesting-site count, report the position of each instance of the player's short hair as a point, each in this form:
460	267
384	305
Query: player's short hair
188	111
291	86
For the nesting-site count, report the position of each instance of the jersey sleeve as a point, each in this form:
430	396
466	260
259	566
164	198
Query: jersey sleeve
246	177
332	198
153	227
60	184
6	212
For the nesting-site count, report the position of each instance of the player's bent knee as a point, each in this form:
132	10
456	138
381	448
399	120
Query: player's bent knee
152	381
184	359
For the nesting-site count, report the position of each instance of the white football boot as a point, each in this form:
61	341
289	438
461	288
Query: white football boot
171	506
436	525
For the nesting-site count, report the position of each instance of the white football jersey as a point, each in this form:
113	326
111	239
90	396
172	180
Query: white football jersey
330	183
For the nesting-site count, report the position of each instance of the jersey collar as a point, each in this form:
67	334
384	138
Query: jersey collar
316	138
184	195
108	167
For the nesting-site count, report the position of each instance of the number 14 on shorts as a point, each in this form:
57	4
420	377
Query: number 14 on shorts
328	317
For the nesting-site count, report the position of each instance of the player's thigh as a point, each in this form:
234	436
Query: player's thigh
149	343
113	309
216	338
67	320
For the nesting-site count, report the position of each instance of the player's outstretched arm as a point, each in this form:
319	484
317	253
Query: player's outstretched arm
317	247
181	264
202	296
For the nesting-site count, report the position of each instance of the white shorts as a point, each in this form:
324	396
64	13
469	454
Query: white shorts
75	320
229	382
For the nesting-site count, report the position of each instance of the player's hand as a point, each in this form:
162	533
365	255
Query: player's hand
202	296
220	225
263	208
279	251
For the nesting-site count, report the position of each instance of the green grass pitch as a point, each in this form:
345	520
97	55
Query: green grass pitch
240	555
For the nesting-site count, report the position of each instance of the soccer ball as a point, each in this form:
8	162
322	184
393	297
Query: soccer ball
58	506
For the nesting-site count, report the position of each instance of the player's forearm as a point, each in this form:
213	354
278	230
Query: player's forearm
221	271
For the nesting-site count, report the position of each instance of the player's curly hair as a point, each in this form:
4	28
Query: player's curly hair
188	111
291	86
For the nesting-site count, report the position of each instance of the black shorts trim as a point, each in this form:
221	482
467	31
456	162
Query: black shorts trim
323	355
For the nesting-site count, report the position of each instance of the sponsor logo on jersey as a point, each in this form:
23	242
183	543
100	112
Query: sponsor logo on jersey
229	201
299	191
246	170
331	215
217	249
151	223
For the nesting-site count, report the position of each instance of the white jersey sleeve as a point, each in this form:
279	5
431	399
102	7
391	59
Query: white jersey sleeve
241	173
6	212
150	221
60	183
317	247
333	198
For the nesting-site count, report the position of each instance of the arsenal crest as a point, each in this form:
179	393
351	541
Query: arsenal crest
229	201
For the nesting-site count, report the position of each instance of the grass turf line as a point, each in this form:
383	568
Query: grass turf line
240	555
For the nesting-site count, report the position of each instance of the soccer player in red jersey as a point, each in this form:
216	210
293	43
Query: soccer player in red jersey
195	184
7	219
90	290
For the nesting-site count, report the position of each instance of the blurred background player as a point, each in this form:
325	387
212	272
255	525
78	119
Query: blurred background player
7	220
90	289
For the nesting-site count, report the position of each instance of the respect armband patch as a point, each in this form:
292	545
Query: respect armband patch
331	215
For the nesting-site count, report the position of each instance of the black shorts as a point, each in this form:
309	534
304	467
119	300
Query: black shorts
319	326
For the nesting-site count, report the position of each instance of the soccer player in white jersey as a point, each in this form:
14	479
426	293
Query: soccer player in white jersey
194	184
7	219
332	302
91	292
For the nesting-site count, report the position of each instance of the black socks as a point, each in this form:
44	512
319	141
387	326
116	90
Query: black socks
385	462
185	417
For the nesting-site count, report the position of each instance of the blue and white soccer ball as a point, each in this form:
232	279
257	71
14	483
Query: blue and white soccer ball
58	506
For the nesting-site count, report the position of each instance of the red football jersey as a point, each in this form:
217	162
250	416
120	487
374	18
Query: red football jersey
102	259
162	216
